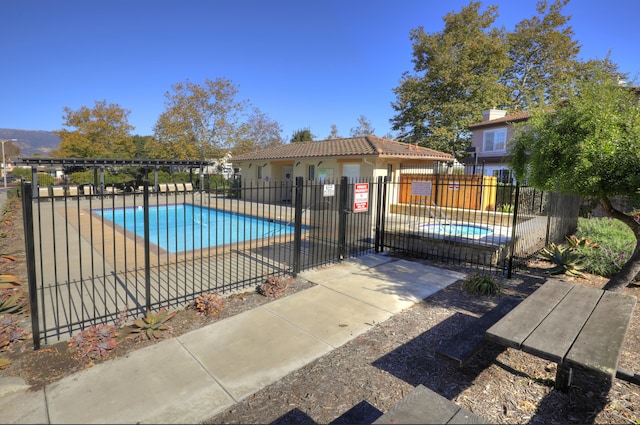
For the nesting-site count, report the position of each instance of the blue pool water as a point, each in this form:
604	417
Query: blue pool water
184	227
460	230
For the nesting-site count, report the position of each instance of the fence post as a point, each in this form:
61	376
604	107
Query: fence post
513	231
297	229
147	248
342	216
30	251
378	216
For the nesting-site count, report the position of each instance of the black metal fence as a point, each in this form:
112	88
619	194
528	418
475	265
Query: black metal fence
94	257
473	220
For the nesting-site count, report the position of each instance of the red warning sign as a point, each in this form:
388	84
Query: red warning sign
361	197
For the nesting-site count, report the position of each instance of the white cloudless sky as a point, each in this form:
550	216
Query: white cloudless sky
304	63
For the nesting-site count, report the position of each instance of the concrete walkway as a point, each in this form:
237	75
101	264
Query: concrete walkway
193	377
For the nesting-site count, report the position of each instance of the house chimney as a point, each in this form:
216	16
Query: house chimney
492	114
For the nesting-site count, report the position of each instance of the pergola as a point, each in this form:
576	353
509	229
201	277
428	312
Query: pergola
99	164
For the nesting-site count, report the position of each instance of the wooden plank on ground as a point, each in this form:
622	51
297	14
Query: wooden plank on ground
553	338
598	346
516	326
463	345
423	406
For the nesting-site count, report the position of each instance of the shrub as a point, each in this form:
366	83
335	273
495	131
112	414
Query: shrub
481	284
614	242
209	304
274	286
93	343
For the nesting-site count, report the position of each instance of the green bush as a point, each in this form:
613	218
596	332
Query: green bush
615	243
481	284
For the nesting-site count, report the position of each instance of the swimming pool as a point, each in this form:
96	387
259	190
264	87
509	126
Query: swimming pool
185	227
460	230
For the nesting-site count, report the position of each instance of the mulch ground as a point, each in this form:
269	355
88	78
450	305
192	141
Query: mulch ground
360	380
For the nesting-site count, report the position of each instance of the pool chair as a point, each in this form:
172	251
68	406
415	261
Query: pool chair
87	190
72	191
43	193
171	188
162	188
180	187
58	191
188	187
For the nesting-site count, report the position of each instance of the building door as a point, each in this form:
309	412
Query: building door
287	183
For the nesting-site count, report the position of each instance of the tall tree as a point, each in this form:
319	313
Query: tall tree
589	146
200	121
100	132
303	135
363	128
140	143
456	76
543	56
259	131
334	133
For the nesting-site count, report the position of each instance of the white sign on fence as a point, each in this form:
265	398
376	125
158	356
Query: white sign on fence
328	190
420	188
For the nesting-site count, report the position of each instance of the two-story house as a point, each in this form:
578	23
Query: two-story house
489	142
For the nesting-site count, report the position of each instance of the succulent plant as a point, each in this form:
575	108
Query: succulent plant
12	302
152	325
209	304
93	343
274	286
566	260
9	281
575	242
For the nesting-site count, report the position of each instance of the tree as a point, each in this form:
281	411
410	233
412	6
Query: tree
140	142
258	132
303	135
11	150
543	57
334	133
363	129
456	76
101	132
200	122
589	146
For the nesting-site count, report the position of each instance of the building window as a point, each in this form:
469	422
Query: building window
389	171
259	171
312	172
494	140
504	176
351	171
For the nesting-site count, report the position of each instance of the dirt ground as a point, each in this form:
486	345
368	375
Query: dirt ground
365	377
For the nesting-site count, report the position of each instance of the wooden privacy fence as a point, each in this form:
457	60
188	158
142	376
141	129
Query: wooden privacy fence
468	191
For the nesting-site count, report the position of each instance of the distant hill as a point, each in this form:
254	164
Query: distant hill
32	142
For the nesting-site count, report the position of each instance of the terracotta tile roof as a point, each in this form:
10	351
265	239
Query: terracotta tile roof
518	116
346	147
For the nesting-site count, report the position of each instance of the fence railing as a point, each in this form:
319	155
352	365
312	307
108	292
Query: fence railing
94	257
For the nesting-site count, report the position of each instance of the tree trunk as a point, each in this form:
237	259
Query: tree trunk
631	268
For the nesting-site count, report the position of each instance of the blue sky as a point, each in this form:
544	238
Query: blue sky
304	63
